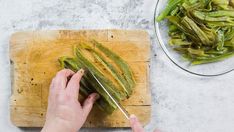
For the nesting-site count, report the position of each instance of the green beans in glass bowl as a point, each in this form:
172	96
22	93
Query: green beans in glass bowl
197	35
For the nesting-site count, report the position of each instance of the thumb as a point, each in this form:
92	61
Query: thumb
88	103
135	124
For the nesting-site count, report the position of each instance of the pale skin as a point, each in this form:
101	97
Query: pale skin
65	113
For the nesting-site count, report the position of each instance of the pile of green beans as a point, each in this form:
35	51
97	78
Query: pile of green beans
201	30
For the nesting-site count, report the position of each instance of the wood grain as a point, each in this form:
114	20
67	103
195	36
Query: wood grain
34	60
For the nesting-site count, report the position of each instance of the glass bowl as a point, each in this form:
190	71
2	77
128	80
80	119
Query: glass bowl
211	69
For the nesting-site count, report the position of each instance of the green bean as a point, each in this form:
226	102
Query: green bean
223	4
229	43
197	31
229	34
171	6
197	52
220	44
213	59
175	11
172	28
220	13
231	2
179	42
206	17
177	21
215	52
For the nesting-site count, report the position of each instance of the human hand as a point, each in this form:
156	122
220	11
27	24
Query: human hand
135	124
64	112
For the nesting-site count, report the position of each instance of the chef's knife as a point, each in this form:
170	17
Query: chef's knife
121	108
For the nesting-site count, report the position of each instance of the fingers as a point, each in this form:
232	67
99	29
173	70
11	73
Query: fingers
59	82
135	124
73	85
88	103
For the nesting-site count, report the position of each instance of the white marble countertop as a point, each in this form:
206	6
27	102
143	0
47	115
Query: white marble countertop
181	102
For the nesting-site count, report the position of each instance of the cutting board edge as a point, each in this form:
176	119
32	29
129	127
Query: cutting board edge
79	30
38	124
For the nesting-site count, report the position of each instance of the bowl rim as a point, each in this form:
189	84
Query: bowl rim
158	37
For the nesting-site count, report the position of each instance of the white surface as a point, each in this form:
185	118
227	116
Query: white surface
181	102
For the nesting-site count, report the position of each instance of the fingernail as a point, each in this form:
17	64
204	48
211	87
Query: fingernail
81	71
133	117
97	96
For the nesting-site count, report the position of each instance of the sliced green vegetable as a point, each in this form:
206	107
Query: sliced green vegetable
223	4
213	59
106	82
171	6
127	72
88	83
111	69
202	31
179	42
86	87
219	18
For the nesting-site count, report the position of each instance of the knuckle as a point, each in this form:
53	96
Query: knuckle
64	72
61	73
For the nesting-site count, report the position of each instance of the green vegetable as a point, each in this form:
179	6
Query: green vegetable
124	78
111	69
86	87
127	72
171	6
223	4
212	59
179	42
202	31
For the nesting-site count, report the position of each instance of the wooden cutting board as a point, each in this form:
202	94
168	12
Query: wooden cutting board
34	63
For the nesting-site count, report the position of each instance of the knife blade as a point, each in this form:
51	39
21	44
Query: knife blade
121	108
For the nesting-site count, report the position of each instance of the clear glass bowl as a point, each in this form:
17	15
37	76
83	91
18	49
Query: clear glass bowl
211	69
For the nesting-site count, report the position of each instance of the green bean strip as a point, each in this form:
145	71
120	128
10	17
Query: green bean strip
127	72
113	71
107	83
179	42
203	16
214	59
115	74
171	5
220	13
